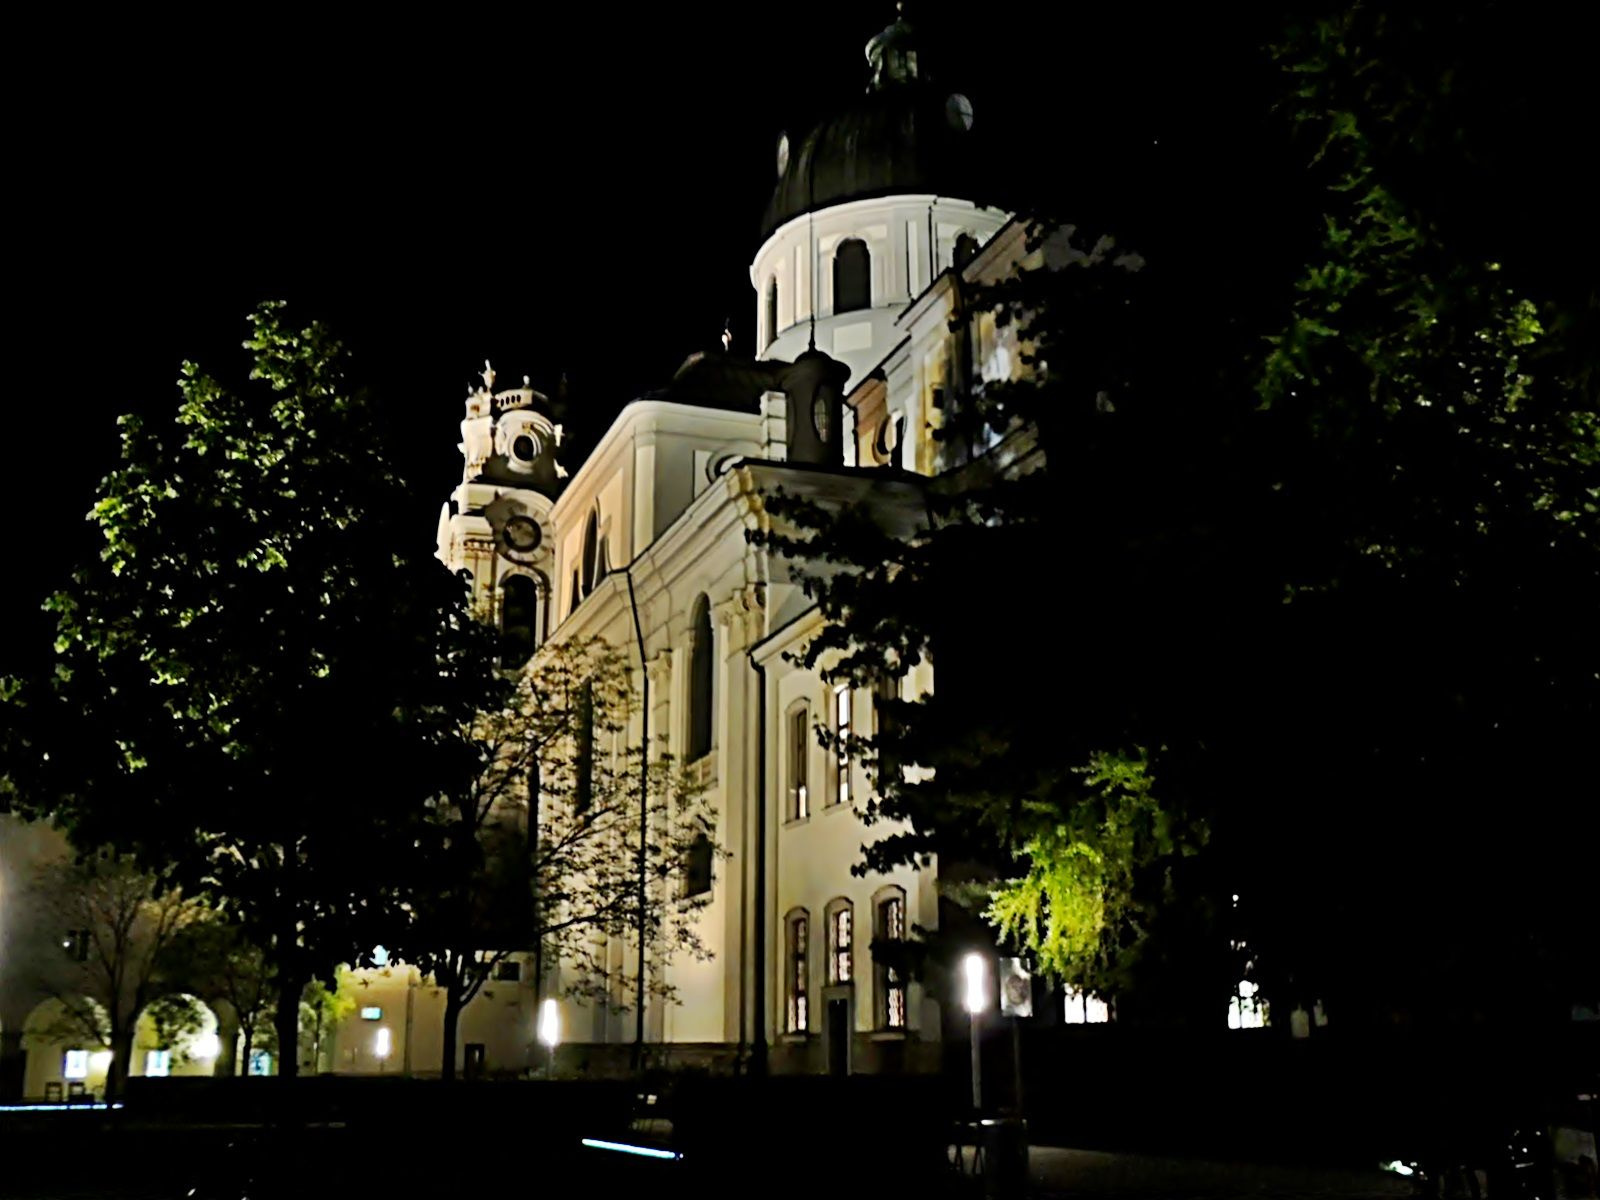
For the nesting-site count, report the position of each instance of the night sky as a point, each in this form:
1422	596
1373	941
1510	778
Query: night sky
578	190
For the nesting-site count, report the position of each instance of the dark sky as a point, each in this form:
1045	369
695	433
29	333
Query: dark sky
573	189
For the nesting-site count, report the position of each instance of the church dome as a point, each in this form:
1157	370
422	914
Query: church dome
903	136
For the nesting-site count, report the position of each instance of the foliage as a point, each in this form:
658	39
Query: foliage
259	680
562	875
321	1010
215	960
1292	558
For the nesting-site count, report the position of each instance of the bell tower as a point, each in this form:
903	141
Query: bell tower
496	524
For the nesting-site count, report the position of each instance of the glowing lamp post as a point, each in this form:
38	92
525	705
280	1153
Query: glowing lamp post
549	1032
977	999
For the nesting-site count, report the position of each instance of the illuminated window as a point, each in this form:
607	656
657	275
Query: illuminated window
75	1065
1085	1009
260	1062
697	867
841	727
799	760
772	310
701	673
158	1063
891	921
840	946
798	970
852	276
372	1012
1247	1010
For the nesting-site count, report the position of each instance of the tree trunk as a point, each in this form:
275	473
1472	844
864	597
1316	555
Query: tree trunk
121	1055
452	1022
287	1023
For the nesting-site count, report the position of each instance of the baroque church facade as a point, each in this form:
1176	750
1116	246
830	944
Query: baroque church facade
866	244
871	233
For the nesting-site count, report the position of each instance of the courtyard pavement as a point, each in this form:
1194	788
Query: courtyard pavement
1098	1175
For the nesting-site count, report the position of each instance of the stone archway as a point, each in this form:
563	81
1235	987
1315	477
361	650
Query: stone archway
175	1035
65	1040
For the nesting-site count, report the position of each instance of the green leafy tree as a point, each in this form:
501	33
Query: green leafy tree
321	1010
259	679
216	961
1301	557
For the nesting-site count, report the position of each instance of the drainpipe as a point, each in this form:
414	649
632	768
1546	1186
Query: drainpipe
758	1051
933	245
644	812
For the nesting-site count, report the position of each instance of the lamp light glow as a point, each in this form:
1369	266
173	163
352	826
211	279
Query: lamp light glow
977	993
549	1023
380	1043
207	1045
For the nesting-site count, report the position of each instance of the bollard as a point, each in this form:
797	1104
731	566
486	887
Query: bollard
1005	1158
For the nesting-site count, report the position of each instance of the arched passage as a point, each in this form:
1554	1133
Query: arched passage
175	1035
66	1041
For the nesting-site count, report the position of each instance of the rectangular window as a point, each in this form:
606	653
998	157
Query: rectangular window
372	1013
841	727
260	1062
891	987
799	935
76	1065
158	1063
76	944
799	758
508	971
839	958
1084	1009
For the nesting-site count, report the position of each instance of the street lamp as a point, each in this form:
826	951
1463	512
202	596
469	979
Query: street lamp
976	1000
549	1032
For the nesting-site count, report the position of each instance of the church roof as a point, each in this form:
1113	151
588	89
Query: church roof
904	135
713	379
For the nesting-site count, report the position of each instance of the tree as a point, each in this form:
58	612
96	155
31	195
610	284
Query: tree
216	960
121	924
540	846
259	679
1324	538
321	1009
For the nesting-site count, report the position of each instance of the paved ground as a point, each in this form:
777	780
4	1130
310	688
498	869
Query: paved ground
1093	1175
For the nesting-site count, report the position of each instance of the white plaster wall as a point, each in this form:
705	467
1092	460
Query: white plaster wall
897	232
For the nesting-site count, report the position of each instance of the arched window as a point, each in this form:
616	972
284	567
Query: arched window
591	549
841	755
852	276
799	762
888	931
772	310
701	674
519	619
697	867
797	970
966	249
841	941
583	715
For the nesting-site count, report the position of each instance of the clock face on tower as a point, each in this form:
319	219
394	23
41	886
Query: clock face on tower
523	534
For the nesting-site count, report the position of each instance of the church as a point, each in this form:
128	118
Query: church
871	231
874	226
